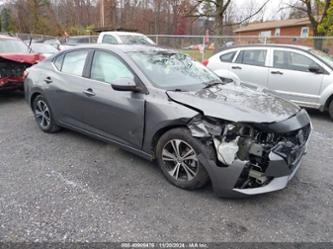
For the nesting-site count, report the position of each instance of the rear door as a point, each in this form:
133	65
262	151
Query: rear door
291	78
65	85
222	60
250	65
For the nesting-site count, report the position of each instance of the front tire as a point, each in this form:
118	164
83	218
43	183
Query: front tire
43	115
177	155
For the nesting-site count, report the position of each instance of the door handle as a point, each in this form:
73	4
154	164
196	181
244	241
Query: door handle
48	80
276	72
89	92
236	67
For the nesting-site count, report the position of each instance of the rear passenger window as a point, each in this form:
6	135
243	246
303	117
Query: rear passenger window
293	61
255	57
74	62
58	62
227	57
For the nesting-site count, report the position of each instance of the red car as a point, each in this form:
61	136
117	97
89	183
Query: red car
15	57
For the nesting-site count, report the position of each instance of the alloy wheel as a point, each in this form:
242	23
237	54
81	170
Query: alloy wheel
180	159
42	114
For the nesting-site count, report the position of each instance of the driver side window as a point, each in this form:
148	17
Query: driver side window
293	61
108	68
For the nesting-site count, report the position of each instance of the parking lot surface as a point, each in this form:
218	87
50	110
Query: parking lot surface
69	187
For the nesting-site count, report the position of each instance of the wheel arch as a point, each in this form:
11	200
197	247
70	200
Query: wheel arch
33	97
328	101
159	133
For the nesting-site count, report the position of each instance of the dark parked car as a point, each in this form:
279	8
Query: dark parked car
162	105
15	57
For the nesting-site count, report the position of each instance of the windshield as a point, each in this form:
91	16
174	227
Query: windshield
13	46
325	57
43	48
172	70
136	39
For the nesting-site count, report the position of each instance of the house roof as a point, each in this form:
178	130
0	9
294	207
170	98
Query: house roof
273	24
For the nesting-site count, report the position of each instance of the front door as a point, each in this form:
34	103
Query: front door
290	77
115	114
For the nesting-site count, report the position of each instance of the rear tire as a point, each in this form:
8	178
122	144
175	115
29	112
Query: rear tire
43	115
176	154
330	109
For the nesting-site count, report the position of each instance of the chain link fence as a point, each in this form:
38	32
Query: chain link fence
36	37
203	47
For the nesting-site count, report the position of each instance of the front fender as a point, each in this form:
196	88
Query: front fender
161	114
223	73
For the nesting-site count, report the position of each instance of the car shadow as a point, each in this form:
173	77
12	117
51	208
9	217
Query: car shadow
318	114
99	176
6	96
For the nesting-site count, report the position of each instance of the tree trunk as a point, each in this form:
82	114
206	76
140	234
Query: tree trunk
219	22
318	40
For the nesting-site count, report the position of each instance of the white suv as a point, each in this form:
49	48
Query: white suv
115	37
300	74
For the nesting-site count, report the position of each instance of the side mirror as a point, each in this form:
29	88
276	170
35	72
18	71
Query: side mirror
227	76
315	69
126	85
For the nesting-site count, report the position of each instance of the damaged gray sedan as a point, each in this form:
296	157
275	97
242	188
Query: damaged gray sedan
163	106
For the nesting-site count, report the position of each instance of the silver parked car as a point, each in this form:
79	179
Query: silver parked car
162	105
299	74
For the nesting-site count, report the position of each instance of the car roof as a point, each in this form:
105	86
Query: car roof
122	33
270	45
124	47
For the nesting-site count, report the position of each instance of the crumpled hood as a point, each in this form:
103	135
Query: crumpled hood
237	103
23	58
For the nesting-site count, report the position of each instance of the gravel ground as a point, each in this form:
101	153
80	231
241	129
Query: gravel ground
68	187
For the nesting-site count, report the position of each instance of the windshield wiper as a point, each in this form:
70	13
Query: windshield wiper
178	90
212	83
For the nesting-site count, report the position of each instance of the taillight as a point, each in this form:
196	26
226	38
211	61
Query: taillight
205	62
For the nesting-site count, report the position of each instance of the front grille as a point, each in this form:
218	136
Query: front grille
12	69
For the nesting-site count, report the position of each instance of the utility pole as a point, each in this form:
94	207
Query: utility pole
102	14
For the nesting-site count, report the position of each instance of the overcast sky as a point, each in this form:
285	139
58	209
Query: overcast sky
271	8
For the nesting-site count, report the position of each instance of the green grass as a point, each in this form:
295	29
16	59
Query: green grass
195	54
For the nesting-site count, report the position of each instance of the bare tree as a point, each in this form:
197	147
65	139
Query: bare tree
316	12
219	9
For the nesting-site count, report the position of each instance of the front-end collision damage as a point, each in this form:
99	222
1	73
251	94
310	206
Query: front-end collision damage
12	68
251	158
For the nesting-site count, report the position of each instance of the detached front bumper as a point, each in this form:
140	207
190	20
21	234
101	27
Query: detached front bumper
224	179
281	167
280	172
